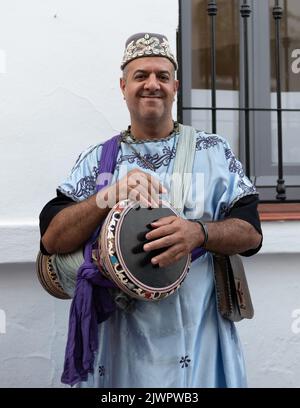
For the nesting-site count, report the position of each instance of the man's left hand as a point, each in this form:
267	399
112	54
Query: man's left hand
178	235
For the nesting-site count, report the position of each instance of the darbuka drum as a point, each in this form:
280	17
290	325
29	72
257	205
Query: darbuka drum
47	276
119	255
122	259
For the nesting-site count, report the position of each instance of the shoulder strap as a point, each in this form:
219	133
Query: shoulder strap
108	159
183	166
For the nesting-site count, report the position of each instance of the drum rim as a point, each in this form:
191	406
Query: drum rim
138	283
47	276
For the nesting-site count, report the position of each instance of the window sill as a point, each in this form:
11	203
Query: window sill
279	212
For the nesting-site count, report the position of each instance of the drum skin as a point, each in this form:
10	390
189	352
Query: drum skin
122	259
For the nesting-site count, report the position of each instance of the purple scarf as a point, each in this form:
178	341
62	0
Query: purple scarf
92	303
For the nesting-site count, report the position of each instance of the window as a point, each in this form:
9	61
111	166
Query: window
227	31
196	76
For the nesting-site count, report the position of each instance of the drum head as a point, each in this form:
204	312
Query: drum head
135	225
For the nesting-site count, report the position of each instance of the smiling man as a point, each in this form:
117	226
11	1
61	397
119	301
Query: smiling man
149	88
182	340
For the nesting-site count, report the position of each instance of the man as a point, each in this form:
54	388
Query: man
180	341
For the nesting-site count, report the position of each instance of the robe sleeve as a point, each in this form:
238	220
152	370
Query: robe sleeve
232	183
81	183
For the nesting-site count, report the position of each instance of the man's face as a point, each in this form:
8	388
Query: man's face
149	88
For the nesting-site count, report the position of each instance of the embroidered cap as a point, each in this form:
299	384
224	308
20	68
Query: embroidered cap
147	45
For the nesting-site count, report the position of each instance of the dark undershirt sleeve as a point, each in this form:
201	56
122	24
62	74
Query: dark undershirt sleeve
246	209
52	208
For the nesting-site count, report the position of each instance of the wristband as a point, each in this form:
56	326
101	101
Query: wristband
205	231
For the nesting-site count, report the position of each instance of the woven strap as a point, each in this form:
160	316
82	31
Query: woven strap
183	167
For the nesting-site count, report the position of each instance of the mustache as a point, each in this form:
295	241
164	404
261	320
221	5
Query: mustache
152	94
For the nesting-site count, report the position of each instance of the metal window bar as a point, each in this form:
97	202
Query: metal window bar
277	15
245	11
179	71
212	10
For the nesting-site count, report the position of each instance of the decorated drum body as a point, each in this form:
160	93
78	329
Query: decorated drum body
47	276
122	259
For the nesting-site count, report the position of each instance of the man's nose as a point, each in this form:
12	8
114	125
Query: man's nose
152	83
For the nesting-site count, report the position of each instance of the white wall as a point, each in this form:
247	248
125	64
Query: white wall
33	342
60	92
272	339
59	70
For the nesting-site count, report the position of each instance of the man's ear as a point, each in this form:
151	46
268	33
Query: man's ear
122	85
176	85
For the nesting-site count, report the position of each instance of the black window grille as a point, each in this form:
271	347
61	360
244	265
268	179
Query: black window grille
278	190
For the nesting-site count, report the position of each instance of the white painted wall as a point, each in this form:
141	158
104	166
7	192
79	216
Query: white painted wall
33	342
60	92
59	70
272	339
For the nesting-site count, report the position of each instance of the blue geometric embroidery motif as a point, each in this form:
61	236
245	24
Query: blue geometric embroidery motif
85	187
101	371
206	142
234	166
247	189
156	160
184	361
84	154
223	209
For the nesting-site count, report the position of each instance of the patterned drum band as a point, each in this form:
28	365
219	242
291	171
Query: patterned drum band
47	276
122	259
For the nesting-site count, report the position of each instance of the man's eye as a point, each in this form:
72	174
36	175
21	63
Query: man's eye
164	78
140	77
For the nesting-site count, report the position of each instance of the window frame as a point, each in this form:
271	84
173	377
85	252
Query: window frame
263	171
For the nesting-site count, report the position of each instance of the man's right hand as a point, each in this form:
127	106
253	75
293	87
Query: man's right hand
73	226
137	186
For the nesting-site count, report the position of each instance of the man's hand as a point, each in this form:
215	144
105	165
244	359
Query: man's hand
179	236
136	186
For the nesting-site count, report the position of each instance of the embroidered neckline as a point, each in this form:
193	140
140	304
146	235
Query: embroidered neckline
127	137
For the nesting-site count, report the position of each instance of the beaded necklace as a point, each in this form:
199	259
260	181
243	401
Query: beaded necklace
126	134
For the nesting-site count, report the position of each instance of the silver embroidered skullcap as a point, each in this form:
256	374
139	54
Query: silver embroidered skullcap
147	45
